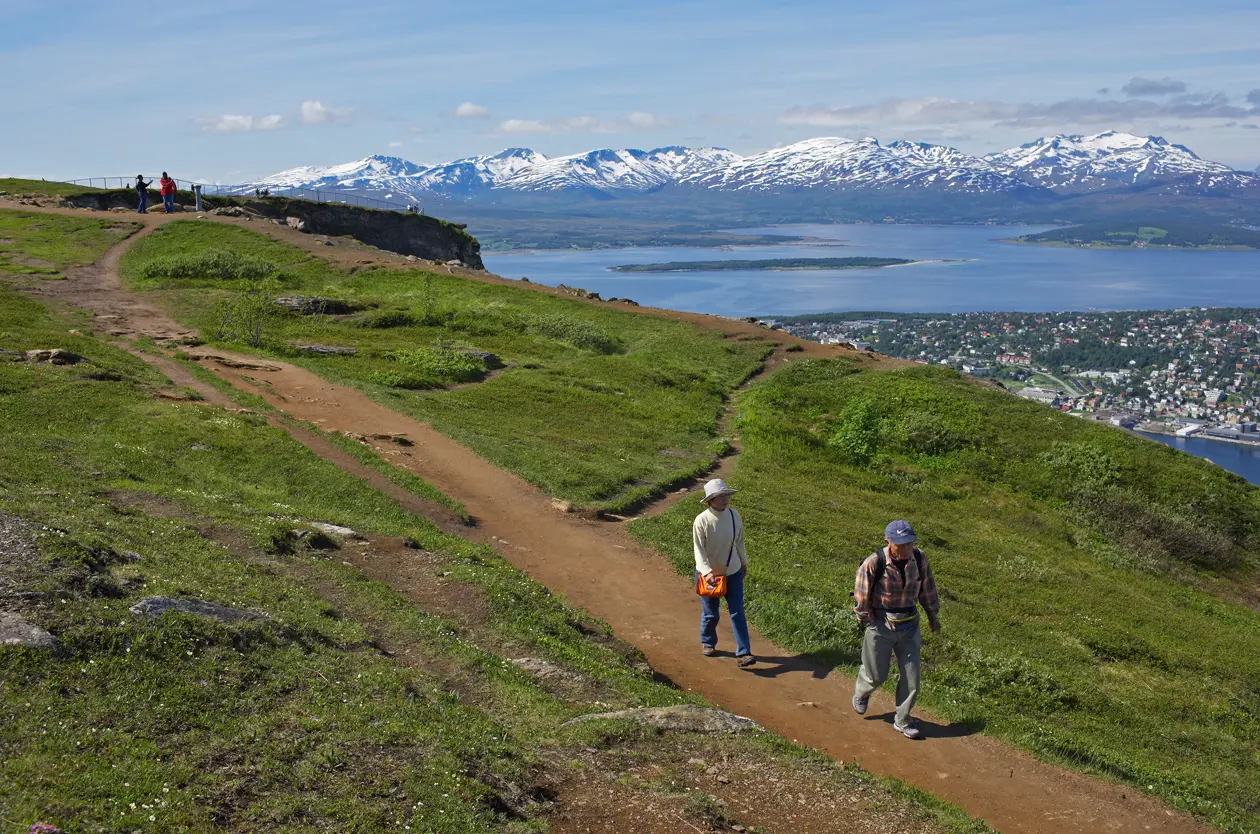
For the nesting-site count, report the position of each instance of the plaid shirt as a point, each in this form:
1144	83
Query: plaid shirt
893	591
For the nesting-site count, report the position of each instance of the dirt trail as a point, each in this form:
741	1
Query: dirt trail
600	568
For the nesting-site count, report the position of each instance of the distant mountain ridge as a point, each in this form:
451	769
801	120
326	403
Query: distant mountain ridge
1062	164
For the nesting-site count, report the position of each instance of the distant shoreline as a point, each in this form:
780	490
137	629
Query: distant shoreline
1126	247
765	265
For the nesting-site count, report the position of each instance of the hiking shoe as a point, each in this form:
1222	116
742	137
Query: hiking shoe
745	660
860	705
708	651
909	729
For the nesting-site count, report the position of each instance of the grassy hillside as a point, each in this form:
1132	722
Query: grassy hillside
16	186
1068	555
597	405
348	706
1153	234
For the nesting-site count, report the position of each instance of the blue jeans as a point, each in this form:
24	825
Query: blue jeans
144	201
711	612
168	202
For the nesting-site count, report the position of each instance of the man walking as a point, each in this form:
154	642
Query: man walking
890	584
717	537
168	192
142	191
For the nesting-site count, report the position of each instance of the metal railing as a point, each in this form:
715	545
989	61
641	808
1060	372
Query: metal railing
404	204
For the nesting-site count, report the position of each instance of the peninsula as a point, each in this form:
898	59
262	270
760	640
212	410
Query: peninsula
1147	235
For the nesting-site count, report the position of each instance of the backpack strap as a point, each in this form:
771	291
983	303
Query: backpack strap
877	573
734	533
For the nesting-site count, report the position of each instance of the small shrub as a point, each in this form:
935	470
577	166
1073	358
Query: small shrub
575	332
387	319
928	434
441	362
857	434
212	264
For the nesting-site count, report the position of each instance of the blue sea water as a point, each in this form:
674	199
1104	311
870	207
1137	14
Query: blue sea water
1239	459
967	269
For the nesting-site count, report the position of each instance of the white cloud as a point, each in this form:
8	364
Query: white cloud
241	124
638	120
468	110
317	113
395	144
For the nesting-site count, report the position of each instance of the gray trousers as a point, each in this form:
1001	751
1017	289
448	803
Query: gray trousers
878	646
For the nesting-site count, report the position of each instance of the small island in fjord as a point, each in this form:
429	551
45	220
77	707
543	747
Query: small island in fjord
1147	235
769	263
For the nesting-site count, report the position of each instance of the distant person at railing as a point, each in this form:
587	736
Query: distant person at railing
142	191
168	192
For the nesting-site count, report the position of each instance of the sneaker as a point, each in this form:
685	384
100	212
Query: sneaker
909	730
860	704
708	651
746	660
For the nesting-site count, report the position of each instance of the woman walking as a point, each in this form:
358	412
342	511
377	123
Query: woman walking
717	537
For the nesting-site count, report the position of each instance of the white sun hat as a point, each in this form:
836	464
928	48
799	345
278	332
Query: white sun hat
714	488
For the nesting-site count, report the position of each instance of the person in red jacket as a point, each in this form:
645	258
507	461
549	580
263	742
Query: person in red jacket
168	192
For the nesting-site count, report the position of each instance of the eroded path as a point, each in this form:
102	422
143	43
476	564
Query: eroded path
600	568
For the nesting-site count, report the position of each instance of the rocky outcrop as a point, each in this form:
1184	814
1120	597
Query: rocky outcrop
310	305
16	632
394	231
157	606
686	718
56	356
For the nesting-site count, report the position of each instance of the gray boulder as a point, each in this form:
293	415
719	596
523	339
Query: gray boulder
310	305
18	633
56	356
229	211
686	718
490	360
295	223
545	669
327	350
157	606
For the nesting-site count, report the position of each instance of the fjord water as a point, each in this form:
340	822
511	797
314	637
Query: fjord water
968	269
1237	458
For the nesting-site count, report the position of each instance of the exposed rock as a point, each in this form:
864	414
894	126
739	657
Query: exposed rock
327	350
230	211
490	360
56	356
544	669
157	606
244	365
454	262
412	258
326	242
686	718
334	530
17	632
561	505
295	223
310	305
392	437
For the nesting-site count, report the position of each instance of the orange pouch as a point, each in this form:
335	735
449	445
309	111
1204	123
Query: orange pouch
718	588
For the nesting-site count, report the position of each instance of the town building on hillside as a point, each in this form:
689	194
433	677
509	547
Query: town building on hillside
1041	395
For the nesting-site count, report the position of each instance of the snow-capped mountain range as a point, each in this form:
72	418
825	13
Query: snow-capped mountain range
1060	164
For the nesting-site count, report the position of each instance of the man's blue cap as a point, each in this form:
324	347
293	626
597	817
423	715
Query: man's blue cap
900	532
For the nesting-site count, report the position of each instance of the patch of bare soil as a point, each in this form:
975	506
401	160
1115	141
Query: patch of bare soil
670	784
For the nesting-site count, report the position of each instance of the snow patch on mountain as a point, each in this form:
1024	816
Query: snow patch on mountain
1057	164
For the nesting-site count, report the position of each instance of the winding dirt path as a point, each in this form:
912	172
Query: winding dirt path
600	568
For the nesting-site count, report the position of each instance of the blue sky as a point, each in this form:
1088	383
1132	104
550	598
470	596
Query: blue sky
234	89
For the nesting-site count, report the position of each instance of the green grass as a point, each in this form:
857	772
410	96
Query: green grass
297	722
47	244
1069	556
18	186
596	405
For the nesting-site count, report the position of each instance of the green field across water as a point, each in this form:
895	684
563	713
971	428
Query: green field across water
768	263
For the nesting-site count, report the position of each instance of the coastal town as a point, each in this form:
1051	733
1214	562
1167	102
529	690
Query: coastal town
1190	372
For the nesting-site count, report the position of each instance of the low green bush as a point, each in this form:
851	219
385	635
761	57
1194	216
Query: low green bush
214	264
